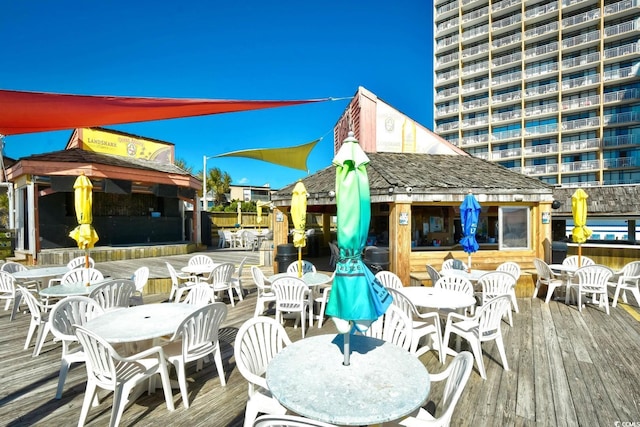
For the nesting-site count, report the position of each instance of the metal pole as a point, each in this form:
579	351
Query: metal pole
204	183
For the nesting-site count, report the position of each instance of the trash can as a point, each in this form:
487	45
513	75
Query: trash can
287	253
558	252
377	259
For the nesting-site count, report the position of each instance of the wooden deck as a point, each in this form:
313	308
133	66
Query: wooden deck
567	368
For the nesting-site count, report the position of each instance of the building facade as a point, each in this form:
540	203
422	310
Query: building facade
550	89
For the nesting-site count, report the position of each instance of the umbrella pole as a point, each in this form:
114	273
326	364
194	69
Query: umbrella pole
469	263
347	348
579	254
299	262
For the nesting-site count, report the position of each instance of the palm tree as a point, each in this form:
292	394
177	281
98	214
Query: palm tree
218	183
182	164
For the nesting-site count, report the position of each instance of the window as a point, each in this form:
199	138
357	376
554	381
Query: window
513	223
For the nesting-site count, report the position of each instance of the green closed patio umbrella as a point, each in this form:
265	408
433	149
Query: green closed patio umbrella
357	298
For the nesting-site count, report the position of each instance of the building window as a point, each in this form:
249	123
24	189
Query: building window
513	223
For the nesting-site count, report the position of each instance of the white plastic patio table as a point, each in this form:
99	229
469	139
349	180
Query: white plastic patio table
438	298
311	279
472	276
567	272
35	273
141	322
198	269
382	383
69	290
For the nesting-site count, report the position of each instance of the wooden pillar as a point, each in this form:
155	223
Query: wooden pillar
400	240
36	220
280	226
631	229
326	228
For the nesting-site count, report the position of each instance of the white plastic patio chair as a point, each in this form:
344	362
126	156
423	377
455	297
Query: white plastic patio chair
74	310
425	326
220	279
109	370
77	262
393	326
572	260
140	278
389	279
307	267
81	275
456	283
113	294
482	327
200	259
195	339
512	268
292	296
434	275
545	277
592	280
7	289
39	320
454	264
627	279
236	279
199	295
264	293
288	421
258	340
495	284
457	375
179	283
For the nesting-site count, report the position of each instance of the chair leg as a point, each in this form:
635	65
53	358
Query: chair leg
119	402
230	292
616	294
43	331
514	301
32	329
503	355
217	358
259	308
166	385
64	369
476	347
535	290
182	383
89	395
250	414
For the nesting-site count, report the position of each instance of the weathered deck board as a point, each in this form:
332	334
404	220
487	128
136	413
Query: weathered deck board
567	368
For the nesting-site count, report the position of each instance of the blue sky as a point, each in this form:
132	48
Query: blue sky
254	49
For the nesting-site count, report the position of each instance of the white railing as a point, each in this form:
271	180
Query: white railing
624	27
508	115
541	109
626	49
475	14
542	29
541	149
541	10
580	39
446	7
451	23
580	81
447	126
503	154
589	122
476	103
541	130
507	134
443	77
622	95
586	165
540	169
580	18
484	155
473	140
506	59
449	109
470	87
475	50
615	141
621	6
476	121
621	162
541	50
628	117
567	3
580	102
541	90
472	32
506	78
584	184
504	41
542	69
447	93
619	73
506	97
584	144
503	23
503	4
581	60
475	67
447	58
447	41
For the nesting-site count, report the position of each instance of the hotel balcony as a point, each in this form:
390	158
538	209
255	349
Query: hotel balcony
476	68
506	59
476	104
469	141
473	17
621	96
587	165
506	79
541	52
620	73
505	42
622	7
541	30
505	24
475	122
621	118
541	71
446	10
544	109
507	97
580	83
447	110
630	50
470	52
540	169
582	40
446	59
581	61
582	145
505	6
536	91
475	86
577	103
541	12
620	163
506	135
447	76
566	4
472	33
506	116
536	131
540	150
447	93
452	41
581	18
621	30
506	154
446	27
447	126
620	141
581	124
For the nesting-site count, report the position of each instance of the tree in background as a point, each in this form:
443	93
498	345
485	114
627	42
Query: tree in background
182	164
218	183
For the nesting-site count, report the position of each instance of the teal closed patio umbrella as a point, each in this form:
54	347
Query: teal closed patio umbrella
357	298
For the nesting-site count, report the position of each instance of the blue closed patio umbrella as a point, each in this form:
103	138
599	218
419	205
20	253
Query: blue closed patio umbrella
469	216
357	298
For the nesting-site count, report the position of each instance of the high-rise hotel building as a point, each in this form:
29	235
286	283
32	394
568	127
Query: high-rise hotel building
548	88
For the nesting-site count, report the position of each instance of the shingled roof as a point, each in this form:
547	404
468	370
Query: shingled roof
429	173
619	200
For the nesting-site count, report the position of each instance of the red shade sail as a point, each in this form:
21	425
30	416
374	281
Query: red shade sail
29	112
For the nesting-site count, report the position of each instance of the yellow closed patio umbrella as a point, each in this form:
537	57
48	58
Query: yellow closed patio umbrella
84	233
580	231
299	218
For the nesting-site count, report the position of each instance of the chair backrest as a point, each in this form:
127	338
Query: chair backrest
510	267
99	357
199	331
258	340
457	374
453	264
173	274
455	283
593	276
199	295
80	261
291	293
401	301
249	239
542	269
12	267
288	421
114	293
496	283
393	326
631	271
307	267
35	307
573	261
140	278
489	316
434	275
239	271
7	284
70	311
81	275
258	278
389	279
200	259
221	274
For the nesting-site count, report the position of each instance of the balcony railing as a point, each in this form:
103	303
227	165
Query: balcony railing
580	18
585	144
451	23
580	39
621	162
580	81
628	117
475	50
484	155
581	60
541	130
540	169
622	95
473	32
505	41
509	115
541	149
541	109
580	102
447	93
447	126
446	7
626	49
586	165
504	154
476	103
542	29
506	78
447	58
507	134
503	23
449	75
542	69
625	27
476	121
474	140
448	41
475	14
581	123
567	3
541	10
542	90
506	59
541	50
503	4
619	140
621	6
506	97
619	73
476	67
449	109
470	87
